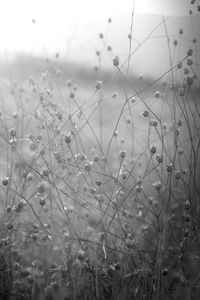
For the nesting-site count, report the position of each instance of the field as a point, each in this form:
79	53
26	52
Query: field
100	171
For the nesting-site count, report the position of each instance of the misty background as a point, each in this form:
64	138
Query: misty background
71	28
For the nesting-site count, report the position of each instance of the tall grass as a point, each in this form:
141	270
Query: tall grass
89	213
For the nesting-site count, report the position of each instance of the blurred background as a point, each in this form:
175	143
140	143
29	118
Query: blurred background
71	28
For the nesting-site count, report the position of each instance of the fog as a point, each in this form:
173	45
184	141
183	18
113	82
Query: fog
71	28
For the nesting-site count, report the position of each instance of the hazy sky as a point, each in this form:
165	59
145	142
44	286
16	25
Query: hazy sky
71	27
58	18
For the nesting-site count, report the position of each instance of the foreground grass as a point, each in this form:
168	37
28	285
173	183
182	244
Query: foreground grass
100	188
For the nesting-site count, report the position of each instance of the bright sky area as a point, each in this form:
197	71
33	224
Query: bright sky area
71	27
54	18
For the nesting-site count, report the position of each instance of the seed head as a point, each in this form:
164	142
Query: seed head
138	188
181	31
96	158
180	64
45	172
178	175
145	113
165	272
188	218
140	77
189	61
153	149
190	52
98	53
181	92
114	95
82	156
5	181
179	123
68	138
98	85
12	132
81	255
133	100
157	185
70	209
177	132
116	61
159	158
41	188
157	94
150	200
187	205
180	151
8	209
117	266
175	42
186	233
153	123
185	171
69	83
98	183
93	190
88	167
72	95
190	81
115	133
122	154
32	146
29	177
42	201
169	167
15	115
